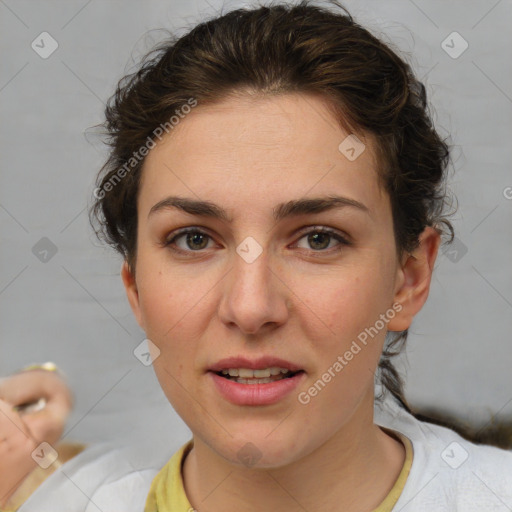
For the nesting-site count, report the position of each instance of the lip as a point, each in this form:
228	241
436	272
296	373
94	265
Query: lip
255	364
255	394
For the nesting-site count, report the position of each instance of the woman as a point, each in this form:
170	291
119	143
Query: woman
286	222
276	189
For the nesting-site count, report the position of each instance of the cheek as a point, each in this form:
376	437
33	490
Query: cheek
172	305
347	357
167	301
166	307
344	304
348	341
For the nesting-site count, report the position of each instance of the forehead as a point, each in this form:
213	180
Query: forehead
256	148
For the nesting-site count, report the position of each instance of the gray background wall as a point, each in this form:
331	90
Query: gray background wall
70	307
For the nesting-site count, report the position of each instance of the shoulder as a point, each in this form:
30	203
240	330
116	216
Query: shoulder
128	492
449	473
103	477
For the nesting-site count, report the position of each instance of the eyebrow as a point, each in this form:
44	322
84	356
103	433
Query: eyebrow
292	208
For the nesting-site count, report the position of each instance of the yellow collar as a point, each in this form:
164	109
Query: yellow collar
167	492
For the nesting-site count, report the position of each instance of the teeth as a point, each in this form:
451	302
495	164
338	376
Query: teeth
246	373
256	381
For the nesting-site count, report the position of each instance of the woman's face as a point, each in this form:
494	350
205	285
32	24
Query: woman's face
251	285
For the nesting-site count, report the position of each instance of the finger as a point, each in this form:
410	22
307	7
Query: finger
48	424
30	386
39	385
22	388
11	424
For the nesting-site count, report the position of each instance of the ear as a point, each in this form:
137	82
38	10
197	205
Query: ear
413	279
132	292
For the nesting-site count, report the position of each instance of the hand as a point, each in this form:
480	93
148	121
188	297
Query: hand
30	386
16	446
23	427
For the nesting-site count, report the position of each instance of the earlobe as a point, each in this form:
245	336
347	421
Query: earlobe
413	279
132	292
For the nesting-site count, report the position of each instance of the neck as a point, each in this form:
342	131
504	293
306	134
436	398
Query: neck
353	471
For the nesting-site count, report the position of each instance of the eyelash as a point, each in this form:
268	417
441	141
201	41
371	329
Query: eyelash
343	242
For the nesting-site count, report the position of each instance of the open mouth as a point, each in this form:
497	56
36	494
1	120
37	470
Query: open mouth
253	377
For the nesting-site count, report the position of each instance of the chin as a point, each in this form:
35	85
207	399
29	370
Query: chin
261	452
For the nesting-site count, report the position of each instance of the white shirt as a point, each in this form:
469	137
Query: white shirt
447	474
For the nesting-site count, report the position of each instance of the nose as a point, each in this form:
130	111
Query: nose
255	297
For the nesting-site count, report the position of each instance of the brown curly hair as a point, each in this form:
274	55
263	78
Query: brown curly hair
279	49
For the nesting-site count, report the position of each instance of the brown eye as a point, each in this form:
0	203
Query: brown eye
319	239
194	240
